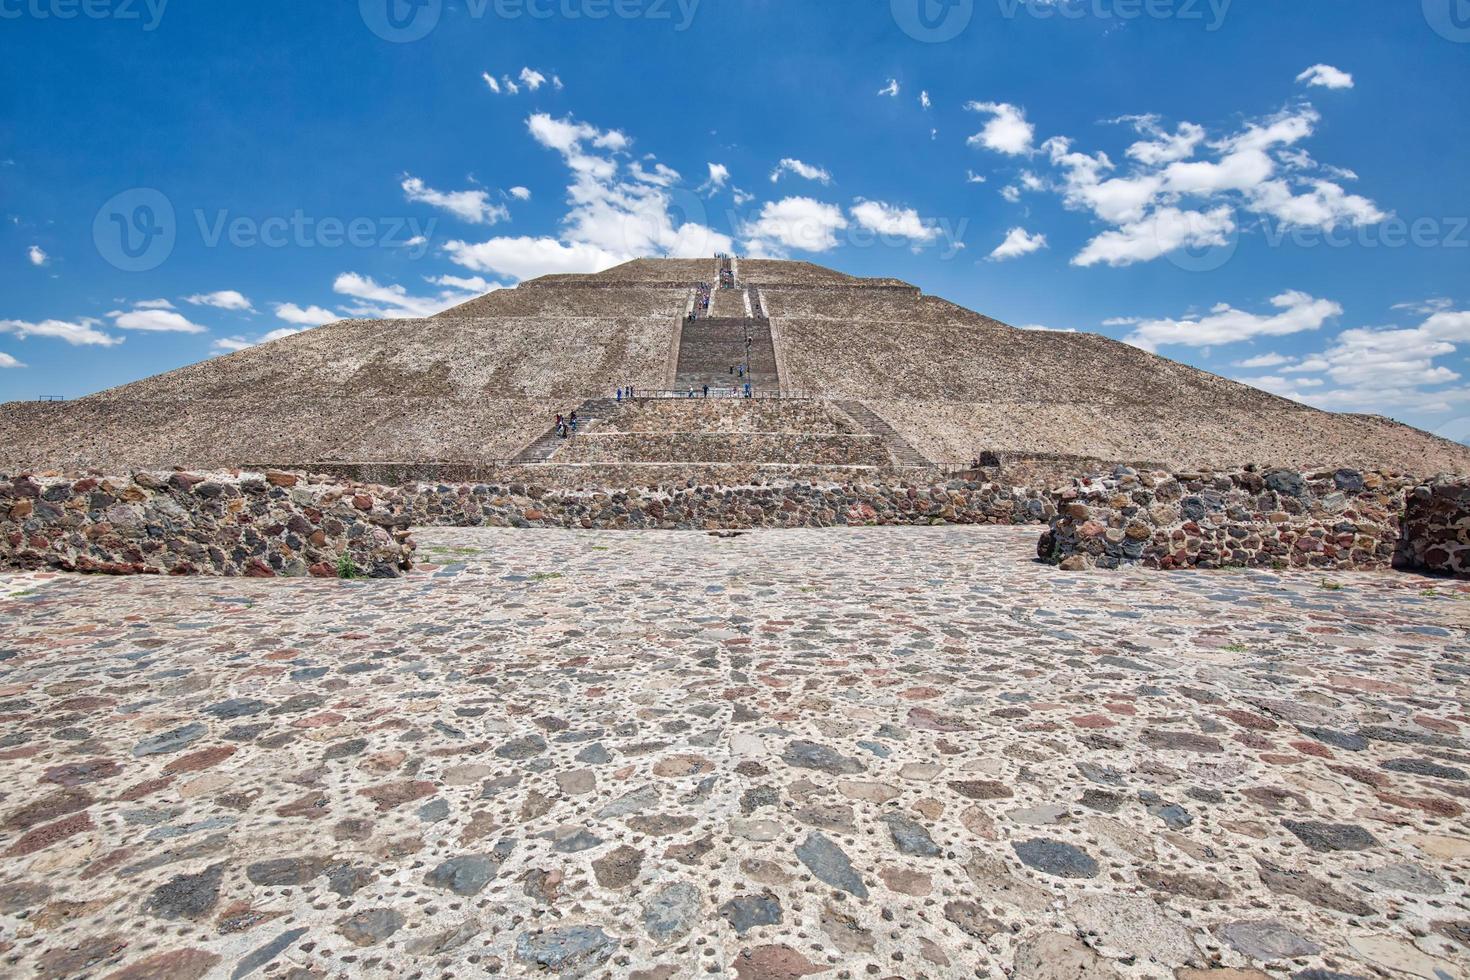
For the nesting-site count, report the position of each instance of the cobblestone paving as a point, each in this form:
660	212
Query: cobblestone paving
885	752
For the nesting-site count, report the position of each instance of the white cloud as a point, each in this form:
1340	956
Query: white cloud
472	206
1018	242
1180	189
473	284
152	304
532	78
6	361
1296	312
1165	230
805	170
1381	369
225	299
154	321
892	221
891	89
393	302
520	193
228	345
1264	361
1326	76
924	101
1428	306
971	177
37	255
618	211
662	175
794	223
719	176
1007	131
1163	147
78	333
490	81
310	316
526	258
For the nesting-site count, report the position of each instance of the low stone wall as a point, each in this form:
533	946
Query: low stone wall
1277	519
714	507
180	523
1436	528
806	449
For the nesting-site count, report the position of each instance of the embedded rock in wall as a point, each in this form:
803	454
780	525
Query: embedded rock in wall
189	524
1342	519
1436	530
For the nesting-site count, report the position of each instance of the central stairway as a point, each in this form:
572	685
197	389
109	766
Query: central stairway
712	352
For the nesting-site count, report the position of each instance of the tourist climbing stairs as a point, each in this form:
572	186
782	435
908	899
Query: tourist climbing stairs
545	447
902	451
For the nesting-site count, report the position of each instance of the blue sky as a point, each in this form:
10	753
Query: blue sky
1272	191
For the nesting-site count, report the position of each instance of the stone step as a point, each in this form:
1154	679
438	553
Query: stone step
547	445
903	453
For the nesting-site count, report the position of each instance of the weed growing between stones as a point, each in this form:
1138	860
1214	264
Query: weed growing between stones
347	568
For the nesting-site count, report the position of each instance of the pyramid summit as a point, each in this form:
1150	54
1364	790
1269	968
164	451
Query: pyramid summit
790	365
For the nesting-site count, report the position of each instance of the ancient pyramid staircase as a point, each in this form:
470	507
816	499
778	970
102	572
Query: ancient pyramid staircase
729	337
546	446
903	453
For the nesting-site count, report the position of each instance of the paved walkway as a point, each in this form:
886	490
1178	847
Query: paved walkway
846	754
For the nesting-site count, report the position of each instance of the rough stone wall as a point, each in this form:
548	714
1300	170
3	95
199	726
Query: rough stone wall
1436	528
1277	519
189	524
714	507
815	449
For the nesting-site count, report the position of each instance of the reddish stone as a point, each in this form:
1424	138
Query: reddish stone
57	804
774	962
1368	777
105	863
1247	719
390	795
362	502
1312	748
197	761
932	721
1432	805
178	964
44	837
323	570
1093	721
259	569
77	773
